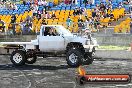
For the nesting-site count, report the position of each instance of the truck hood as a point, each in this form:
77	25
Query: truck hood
75	39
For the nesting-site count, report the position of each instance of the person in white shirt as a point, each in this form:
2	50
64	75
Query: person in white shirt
35	10
10	6
15	7
41	2
45	4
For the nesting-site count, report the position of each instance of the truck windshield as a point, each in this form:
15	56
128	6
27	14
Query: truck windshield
64	31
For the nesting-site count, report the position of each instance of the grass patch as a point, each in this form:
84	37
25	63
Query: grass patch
111	47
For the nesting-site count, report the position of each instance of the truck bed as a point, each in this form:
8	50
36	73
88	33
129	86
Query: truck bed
15	43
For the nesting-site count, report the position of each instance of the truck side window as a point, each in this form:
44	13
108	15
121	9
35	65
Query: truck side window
47	30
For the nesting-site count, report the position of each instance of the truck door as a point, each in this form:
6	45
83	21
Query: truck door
50	41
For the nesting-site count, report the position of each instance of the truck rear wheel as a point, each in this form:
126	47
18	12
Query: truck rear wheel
31	60
74	57
18	58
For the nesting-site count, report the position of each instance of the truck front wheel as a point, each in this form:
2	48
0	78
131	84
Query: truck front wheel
18	58
74	57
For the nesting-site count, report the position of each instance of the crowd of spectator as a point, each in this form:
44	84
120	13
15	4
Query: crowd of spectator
26	25
100	11
8	6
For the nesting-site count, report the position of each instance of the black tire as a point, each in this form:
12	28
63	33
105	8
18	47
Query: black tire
18	58
88	58
31	60
93	52
78	57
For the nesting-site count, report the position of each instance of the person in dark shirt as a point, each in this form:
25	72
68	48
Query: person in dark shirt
49	32
80	22
53	15
94	13
102	7
96	23
75	12
4	1
13	23
13	19
24	2
85	2
43	22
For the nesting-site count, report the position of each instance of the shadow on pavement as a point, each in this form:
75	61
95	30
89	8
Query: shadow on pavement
32	67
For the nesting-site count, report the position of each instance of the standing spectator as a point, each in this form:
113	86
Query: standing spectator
80	25
21	24
87	23
2	25
35	10
29	18
13	21
27	28
42	26
96	23
69	22
91	23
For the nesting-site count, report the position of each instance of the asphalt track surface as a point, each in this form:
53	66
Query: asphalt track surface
53	72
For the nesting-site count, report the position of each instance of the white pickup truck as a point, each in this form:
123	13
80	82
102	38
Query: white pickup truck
58	40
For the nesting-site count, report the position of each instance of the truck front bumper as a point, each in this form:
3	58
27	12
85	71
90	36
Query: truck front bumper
89	48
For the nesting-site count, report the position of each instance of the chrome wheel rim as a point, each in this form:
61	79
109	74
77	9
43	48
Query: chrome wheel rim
73	58
17	58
